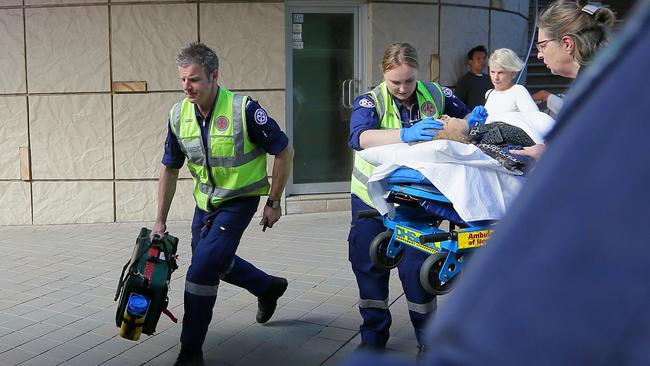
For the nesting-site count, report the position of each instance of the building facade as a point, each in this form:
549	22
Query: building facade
86	86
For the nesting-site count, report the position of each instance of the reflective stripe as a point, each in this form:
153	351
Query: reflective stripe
201	290
239	158
379	102
378	304
228	193
176	116
422	308
360	176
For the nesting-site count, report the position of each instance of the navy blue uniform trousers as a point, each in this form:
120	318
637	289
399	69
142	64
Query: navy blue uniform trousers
215	238
373	281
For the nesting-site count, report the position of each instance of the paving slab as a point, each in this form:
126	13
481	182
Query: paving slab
58	283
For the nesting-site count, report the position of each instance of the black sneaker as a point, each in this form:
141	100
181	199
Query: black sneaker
187	358
266	304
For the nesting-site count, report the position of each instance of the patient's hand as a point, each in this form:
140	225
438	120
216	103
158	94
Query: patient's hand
534	151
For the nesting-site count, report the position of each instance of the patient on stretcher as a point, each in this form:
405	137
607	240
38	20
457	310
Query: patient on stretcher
494	139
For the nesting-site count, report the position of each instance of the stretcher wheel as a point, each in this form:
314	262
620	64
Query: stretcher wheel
378	249
430	272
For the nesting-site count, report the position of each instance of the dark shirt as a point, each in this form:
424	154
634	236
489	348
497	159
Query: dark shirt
364	116
267	135
471	89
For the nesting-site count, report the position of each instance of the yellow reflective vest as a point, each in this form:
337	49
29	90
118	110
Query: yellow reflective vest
431	102
232	166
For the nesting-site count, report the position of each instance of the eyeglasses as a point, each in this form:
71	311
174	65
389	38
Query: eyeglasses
541	44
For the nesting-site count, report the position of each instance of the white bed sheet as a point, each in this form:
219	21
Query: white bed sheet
477	185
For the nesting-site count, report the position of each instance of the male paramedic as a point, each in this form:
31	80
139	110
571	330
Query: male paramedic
400	109
225	138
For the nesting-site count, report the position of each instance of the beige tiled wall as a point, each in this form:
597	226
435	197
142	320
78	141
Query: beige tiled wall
145	41
67	49
140	124
73	202
420	30
12	57
13	134
249	40
136	201
71	136
16	206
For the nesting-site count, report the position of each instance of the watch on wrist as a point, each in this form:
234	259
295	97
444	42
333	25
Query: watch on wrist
273	203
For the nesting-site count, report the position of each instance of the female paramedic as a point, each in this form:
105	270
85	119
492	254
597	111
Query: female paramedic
569	35
400	109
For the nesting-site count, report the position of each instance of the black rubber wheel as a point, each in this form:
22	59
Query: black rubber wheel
430	272
378	249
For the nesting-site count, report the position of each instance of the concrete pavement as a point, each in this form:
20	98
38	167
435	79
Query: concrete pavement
57	284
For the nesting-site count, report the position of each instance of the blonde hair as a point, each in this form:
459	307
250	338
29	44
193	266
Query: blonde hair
590	31
397	54
506	59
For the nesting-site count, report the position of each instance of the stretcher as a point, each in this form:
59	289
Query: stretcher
419	211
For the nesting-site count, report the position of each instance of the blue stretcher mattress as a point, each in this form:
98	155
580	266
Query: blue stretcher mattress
415	179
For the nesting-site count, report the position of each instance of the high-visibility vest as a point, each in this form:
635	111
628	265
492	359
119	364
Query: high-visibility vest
232	166
431	101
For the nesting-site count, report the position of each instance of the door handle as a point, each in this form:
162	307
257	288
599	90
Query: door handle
348	93
344	89
352	91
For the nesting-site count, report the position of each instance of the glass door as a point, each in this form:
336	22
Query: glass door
323	77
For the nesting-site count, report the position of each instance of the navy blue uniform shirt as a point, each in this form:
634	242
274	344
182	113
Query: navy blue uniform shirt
364	116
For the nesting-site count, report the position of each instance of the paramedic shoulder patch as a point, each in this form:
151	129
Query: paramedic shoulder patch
447	92
427	109
367	103
261	116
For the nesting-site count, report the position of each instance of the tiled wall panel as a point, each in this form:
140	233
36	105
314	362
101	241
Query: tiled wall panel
421	31
64	2
72	202
13	135
454	45
67	49
12	2
12	57
137	201
504	32
16	206
249	40
146	39
71	137
140	122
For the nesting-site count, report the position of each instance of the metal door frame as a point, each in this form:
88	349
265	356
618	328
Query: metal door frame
360	11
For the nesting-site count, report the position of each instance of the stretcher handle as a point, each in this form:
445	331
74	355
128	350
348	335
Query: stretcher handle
432	238
367	213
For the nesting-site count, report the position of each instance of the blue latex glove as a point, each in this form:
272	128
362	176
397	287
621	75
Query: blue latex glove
477	117
421	131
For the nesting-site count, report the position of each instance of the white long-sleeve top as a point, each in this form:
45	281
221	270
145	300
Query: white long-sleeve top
515	99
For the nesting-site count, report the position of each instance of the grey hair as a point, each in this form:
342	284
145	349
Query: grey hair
196	53
507	59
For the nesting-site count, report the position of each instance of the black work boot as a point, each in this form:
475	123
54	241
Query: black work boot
187	358
267	303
